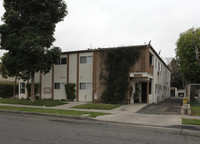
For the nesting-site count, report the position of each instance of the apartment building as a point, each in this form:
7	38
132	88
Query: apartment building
149	74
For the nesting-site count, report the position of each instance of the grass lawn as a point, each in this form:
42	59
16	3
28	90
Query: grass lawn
46	102
53	111
195	110
97	106
190	121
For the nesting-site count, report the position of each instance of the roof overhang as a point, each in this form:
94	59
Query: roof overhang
140	75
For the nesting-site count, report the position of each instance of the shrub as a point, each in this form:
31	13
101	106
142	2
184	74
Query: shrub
6	90
115	76
70	91
28	88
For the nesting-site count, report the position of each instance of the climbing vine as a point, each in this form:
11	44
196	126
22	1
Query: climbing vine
115	75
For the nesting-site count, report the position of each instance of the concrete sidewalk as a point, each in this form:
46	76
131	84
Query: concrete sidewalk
123	114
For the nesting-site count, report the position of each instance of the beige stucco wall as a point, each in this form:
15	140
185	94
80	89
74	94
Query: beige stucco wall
60	76
47	84
160	78
37	77
72	68
9	79
85	75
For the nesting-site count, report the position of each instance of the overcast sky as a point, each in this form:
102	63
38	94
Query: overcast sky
111	23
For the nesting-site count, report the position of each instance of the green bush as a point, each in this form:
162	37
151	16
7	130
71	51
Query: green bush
70	91
6	89
28	88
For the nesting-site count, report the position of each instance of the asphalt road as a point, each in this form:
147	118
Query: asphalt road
27	129
171	106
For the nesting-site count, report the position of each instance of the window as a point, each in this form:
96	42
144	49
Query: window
156	63
157	91
61	61
85	86
150	59
82	59
59	85
89	59
158	66
86	59
160	89
22	88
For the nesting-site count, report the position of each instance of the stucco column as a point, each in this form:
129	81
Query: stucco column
77	79
94	73
67	68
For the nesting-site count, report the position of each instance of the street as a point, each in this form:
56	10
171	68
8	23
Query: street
28	129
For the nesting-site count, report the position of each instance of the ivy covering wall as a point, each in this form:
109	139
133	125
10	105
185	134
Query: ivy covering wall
116	73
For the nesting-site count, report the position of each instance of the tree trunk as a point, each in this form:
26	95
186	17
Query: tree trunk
32	87
14	90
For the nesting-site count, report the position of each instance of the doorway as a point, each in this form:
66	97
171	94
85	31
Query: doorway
144	92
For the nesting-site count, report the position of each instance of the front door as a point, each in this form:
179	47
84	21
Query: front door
144	92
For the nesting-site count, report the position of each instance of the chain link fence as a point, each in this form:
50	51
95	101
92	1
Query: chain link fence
195	94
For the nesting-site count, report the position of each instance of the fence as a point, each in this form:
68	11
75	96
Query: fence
193	92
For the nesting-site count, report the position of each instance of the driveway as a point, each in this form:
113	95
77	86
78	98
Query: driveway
163	114
171	106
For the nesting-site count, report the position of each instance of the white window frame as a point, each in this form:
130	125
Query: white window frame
88	86
60	61
88	60
22	87
61	85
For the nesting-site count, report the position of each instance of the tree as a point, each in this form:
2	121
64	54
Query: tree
186	55
10	68
176	75
28	34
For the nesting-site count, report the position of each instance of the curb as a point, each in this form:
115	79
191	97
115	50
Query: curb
192	130
47	115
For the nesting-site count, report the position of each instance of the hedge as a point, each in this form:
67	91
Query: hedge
6	89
